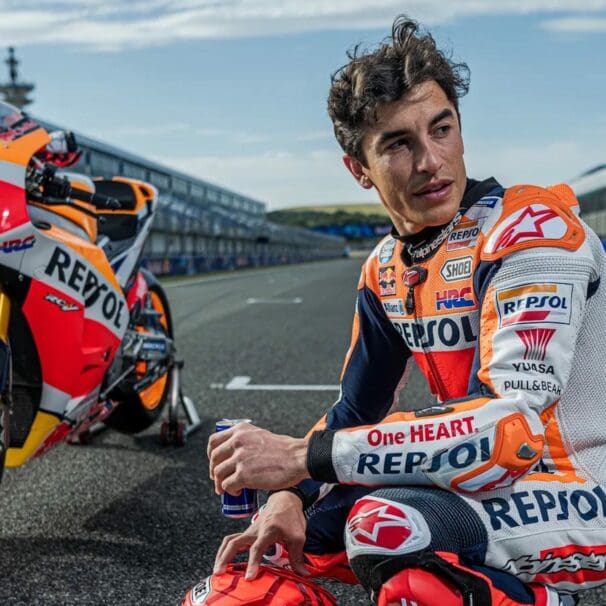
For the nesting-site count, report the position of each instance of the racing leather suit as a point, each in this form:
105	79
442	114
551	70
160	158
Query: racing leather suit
503	312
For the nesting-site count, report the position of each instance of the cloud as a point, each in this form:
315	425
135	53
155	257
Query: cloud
145	131
113	24
285	178
280	178
587	25
541	163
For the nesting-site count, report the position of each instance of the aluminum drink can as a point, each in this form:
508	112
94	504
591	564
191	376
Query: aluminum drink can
246	504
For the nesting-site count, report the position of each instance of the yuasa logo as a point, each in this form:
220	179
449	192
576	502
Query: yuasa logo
453	298
535	304
10	246
535	342
456	269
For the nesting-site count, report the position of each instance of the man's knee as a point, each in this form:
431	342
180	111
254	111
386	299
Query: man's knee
394	526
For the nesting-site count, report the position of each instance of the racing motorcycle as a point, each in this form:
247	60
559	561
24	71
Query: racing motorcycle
86	339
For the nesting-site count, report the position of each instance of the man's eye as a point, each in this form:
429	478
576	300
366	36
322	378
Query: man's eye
398	143
443	130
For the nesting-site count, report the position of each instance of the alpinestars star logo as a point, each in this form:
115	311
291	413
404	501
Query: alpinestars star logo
379	524
528	225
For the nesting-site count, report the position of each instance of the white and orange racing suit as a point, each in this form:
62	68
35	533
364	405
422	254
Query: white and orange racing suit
503	312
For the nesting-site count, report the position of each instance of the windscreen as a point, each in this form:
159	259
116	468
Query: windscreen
14	123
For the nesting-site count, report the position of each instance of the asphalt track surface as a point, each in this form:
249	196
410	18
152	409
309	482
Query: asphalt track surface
126	521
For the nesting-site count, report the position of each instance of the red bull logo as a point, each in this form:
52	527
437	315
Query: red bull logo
387	281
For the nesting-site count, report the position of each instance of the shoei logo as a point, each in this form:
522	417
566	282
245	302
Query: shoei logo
535	304
456	269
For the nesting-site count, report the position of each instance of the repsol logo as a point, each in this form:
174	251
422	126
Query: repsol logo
84	281
394	463
533	506
535	303
448	332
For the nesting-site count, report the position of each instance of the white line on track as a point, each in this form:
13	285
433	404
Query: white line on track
254	301
243	383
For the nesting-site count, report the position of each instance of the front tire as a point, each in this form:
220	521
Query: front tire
138	410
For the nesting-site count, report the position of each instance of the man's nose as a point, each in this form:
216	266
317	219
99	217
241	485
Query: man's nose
427	158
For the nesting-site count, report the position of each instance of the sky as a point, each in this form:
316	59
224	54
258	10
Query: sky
234	91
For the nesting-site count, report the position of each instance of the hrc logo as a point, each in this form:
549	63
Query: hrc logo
454	298
18	244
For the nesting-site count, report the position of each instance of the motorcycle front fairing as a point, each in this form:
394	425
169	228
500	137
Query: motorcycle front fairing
74	309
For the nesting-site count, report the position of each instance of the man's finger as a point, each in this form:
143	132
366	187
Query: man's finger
220	453
256	553
216	439
226	479
231	546
296	558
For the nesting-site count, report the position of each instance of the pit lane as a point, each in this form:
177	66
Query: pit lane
124	520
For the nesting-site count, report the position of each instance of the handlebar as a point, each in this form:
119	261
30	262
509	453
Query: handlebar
50	188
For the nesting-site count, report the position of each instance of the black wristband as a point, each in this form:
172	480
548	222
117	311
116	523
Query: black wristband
319	457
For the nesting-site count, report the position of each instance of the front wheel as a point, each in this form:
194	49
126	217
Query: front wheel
138	410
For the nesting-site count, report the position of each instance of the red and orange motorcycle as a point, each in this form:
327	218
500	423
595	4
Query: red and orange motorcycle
85	333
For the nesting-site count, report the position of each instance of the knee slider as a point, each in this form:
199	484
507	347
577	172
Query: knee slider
380	530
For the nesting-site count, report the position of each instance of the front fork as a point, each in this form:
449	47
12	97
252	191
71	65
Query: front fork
5	358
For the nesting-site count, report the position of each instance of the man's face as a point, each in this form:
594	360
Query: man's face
414	159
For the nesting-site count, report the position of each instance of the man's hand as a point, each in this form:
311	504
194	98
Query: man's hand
281	521
246	456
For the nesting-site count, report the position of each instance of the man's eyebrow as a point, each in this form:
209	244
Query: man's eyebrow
390	134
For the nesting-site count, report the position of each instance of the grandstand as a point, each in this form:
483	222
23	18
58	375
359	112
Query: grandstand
590	189
201	226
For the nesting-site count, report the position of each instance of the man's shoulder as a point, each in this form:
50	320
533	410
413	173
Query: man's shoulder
530	216
384	258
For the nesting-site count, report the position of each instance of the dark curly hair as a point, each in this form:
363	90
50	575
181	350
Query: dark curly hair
373	79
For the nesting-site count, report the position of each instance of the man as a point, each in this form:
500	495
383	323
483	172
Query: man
496	495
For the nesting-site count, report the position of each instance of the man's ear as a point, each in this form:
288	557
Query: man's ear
357	169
